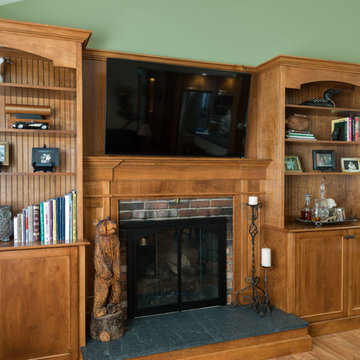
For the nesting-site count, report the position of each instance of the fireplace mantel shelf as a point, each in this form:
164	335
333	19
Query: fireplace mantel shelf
130	168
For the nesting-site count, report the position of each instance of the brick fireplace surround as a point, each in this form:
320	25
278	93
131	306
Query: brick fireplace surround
205	187
170	209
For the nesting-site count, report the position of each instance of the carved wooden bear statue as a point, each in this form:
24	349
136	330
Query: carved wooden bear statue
107	268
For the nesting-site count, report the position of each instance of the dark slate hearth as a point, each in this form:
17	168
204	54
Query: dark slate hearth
175	331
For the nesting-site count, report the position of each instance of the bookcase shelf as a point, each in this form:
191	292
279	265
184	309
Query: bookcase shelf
321	142
318	110
39	132
322	174
38	87
9	246
37	174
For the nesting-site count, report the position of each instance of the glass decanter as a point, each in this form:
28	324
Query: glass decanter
323	207
306	209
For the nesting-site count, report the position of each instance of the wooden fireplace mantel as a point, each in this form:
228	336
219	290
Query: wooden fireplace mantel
107	179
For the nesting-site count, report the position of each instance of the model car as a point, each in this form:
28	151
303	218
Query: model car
30	125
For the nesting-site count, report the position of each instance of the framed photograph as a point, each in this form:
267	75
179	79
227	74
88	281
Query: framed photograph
4	153
324	160
350	165
45	159
292	164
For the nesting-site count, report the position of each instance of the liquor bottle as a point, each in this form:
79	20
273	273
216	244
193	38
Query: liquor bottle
306	210
315	212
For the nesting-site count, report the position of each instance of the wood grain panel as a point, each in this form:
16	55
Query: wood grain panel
320	279
46	278
281	278
269	124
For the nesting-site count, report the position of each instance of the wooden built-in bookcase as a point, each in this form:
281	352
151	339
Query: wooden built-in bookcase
31	80
314	272
339	184
42	286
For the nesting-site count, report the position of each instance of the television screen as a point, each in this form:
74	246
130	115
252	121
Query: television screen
161	109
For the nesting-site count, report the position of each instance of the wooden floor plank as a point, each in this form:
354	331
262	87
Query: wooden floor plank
340	346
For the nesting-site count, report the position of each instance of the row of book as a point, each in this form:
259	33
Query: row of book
50	222
299	134
346	129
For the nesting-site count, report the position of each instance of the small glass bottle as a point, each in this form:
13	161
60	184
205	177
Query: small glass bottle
306	210
315	212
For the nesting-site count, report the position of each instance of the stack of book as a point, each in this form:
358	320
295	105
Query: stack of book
347	129
299	134
50	222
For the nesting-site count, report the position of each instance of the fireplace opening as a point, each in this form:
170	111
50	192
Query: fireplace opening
175	264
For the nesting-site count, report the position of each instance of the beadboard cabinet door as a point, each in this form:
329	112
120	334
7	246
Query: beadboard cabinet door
39	304
320	280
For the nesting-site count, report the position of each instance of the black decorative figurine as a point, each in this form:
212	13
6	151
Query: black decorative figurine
258	300
45	159
325	102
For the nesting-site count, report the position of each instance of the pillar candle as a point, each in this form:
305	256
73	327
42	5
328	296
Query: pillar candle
253	200
266	257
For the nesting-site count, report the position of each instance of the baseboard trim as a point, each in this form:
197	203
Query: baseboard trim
319	328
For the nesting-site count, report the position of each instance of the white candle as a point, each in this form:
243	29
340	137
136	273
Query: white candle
253	200
266	257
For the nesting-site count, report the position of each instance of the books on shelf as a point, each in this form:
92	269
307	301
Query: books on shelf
52	221
299	134
346	129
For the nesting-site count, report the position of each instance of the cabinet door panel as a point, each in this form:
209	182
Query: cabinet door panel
36	303
354	275
319	275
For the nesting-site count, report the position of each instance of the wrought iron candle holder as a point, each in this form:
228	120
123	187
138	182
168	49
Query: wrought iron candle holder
265	305
258	299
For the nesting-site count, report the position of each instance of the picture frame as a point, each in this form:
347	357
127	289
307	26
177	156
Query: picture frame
45	159
292	164
324	160
350	165
4	153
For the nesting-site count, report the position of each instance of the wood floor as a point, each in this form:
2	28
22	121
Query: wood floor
340	346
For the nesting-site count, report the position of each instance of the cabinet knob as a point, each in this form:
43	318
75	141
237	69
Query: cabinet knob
349	236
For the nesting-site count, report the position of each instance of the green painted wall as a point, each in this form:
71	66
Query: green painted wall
245	32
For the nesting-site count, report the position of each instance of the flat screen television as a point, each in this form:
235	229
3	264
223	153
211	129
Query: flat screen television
161	109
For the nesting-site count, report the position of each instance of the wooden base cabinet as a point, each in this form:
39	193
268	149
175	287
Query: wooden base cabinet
316	274
39	297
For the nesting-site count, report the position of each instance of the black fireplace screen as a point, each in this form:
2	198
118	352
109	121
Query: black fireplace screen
175	265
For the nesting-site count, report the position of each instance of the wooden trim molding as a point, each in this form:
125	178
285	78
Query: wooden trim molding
44	31
102	55
133	168
51	42
318	64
